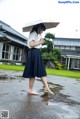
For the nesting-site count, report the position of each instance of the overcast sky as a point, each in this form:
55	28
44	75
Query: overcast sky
17	13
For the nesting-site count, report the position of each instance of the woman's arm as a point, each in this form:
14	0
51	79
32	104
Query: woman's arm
33	43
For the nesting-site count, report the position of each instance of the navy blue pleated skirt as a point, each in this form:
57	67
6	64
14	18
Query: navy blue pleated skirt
34	66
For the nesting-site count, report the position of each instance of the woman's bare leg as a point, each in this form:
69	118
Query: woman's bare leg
31	83
46	87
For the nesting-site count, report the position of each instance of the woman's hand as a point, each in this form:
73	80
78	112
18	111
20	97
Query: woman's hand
42	40
33	43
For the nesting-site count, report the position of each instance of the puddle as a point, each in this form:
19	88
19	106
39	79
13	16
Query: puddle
4	94
50	99
57	106
6	77
47	98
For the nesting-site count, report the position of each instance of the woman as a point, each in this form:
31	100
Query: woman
34	66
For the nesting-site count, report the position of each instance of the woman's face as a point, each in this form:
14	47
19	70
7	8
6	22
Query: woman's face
40	31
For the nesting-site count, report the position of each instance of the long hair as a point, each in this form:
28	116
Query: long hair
37	27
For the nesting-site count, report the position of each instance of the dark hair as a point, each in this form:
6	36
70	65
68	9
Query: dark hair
37	27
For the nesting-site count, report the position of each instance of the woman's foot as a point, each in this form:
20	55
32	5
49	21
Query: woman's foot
32	93
48	91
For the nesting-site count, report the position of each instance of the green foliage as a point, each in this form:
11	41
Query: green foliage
63	66
49	36
50	57
43	50
50	54
49	45
56	53
57	65
48	42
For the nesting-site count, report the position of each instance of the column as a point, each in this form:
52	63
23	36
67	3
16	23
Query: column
1	47
68	63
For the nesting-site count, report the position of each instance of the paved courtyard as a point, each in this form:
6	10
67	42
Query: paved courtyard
64	104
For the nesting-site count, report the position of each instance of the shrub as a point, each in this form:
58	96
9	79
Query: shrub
57	65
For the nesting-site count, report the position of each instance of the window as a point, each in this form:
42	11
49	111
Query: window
6	51
62	47
67	47
56	46
72	48
78	48
75	64
16	53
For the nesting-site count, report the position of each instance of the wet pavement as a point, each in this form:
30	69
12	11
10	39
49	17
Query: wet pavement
64	104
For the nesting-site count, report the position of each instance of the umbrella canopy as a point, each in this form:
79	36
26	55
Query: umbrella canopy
48	25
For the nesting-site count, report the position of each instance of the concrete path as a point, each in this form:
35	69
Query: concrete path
65	104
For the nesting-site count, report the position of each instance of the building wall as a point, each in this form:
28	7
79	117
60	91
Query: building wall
12	53
70	49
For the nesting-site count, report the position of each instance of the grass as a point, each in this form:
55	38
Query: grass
11	67
65	73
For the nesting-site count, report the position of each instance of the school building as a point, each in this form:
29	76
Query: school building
12	45
13	48
70	51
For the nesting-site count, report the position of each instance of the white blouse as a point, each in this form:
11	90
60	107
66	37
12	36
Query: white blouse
36	37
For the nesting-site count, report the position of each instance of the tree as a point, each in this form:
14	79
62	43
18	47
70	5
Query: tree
48	42
57	53
49	54
49	36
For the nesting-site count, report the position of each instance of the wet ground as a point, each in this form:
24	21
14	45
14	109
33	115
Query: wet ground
64	104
